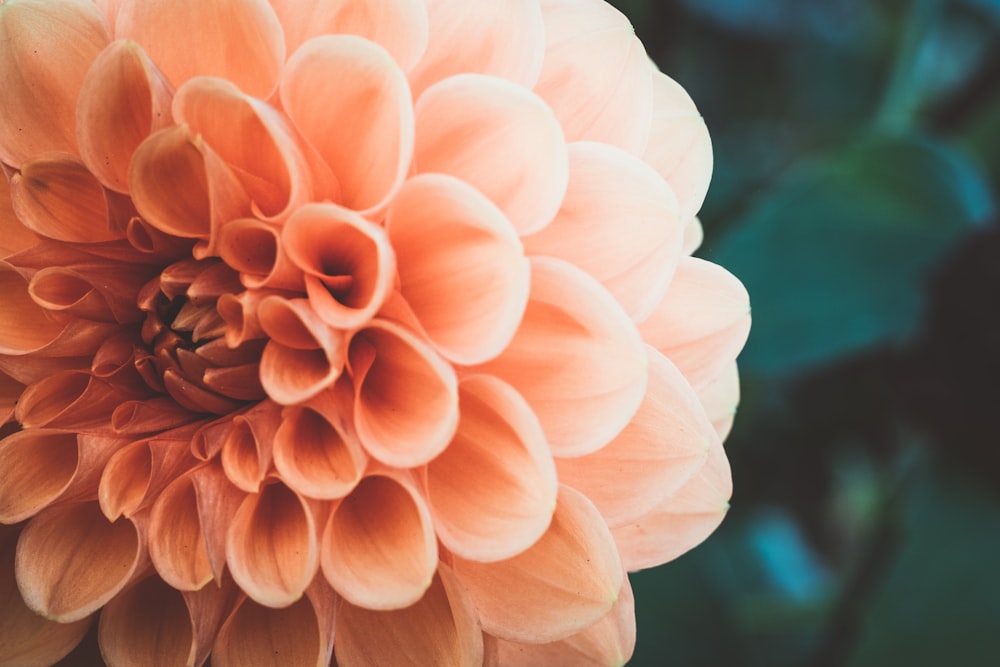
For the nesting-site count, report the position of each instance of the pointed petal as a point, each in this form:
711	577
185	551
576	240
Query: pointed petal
565	582
246	454
147	624
238	40
577	359
440	629
315	456
721	398
254	248
461	267
406	396
46	47
635	256
499	138
492	492
258	636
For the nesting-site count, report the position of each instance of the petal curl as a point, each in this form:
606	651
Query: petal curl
24	326
147	624
254	248
247	451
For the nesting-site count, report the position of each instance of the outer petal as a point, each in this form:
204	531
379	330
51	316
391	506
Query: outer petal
577	359
694	234
238	40
10	391
24	326
147	624
461	267
498	137
721	398
14	236
635	255
46	47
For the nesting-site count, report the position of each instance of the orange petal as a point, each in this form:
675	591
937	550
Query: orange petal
314	455
104	293
406	396
662	447
24	326
348	262
398	26
238	40
596	75
721	398
351	101
14	236
440	629
246	453
635	257
147	624
46	47
149	416
682	521
71	560
10	391
254	248
565	582
492	492
70	400
498	137
124	99
503	39
577	359
271	546
702	321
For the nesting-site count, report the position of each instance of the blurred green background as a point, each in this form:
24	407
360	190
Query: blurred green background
857	166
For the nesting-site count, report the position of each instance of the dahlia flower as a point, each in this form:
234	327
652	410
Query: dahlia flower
363	331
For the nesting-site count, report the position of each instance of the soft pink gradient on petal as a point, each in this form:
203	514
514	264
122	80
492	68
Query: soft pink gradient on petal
721	398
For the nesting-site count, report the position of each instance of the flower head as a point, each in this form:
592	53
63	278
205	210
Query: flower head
353	328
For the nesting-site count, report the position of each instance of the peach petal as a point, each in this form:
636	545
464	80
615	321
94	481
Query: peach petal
124	98
682	521
208	439
271	546
702	321
504	39
238	40
54	195
14	236
398	26
258	636
97	291
31	368
348	262
663	446
577	358
461	267
596	75
492	492
564	583
721	398
25	326
38	466
46	47
498	137
25	637
406	396
246	453
239	311
152	242
635	257
440	629
10	391
70	400
254	248
694	234
378	547
147	624
679	146
315	456
149	416
71	560
351	101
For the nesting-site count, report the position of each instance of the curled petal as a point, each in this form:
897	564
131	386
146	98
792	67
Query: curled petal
271	546
24	325
461	267
498	137
124	99
596	75
576	358
147	624
635	257
254	248
439	629
149	416
702	321
246	453
406	396
492	492
238	40
721	398
104	293
504	39
46	47
71	399
565	582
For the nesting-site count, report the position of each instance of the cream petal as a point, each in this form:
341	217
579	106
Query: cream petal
238	40
314	455
258	636
398	26
679	147
272	547
406	396
46	47
71	560
702	321
635	257
461	267
492	492
564	583
694	234
124	98
440	629
147	624
254	248
504	39
348	262
498	137
577	359
721	398
658	452
246	453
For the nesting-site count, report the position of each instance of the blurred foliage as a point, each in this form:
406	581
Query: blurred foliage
857	166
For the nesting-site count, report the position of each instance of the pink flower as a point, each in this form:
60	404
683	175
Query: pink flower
364	328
